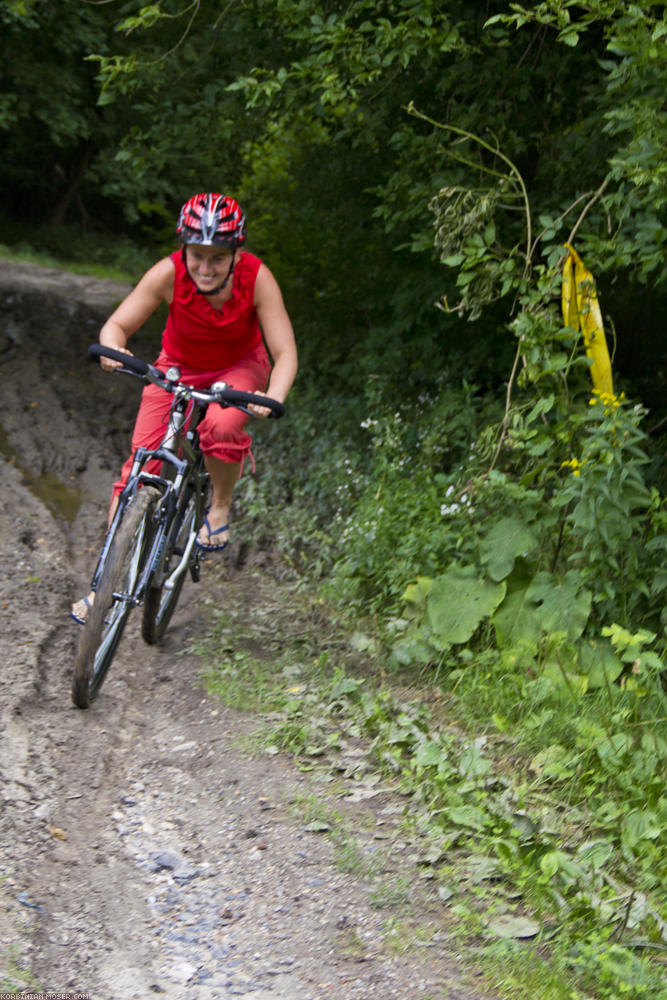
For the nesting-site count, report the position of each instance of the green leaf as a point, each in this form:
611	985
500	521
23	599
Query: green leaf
600	664
550	863
428	754
106	97
570	37
472	764
507	539
542	406
459	600
640	825
417	592
613	751
564	683
554	761
564	607
469	816
595	853
509	925
517	621
345	686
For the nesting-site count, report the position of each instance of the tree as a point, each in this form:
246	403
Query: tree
301	110
49	116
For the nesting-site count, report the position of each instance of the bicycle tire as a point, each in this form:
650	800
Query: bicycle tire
107	617
160	603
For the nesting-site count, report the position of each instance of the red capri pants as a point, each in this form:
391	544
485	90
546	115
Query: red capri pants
221	432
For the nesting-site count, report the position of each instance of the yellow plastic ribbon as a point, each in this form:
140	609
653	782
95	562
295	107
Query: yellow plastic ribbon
581	311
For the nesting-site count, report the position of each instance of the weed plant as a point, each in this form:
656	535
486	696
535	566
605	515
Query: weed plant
541	823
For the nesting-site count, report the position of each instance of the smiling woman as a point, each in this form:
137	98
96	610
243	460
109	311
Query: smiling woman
207	265
227	323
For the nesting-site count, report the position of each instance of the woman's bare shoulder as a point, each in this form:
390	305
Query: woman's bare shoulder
158	281
267	288
161	272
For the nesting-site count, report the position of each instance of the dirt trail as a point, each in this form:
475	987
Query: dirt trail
141	852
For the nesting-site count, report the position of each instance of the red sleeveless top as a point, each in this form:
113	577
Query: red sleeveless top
208	339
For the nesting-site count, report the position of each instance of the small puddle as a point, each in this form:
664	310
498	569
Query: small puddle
63	501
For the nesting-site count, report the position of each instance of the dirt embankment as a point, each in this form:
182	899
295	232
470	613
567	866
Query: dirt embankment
141	852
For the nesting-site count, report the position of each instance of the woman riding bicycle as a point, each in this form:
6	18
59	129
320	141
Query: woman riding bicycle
224	306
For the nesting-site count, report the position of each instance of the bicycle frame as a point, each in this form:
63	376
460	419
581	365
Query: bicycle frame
187	469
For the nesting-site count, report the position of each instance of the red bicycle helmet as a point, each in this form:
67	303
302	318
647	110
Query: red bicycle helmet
212	220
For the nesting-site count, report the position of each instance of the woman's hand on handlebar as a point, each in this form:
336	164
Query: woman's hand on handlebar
259	411
108	364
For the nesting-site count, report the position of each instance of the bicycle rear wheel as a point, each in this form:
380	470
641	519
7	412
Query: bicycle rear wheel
161	601
108	615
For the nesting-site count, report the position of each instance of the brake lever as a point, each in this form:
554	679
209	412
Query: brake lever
126	371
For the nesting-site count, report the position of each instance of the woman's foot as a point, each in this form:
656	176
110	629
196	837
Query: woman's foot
81	608
214	533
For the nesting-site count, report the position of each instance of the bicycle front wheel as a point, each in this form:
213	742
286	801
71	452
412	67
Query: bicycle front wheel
114	598
163	593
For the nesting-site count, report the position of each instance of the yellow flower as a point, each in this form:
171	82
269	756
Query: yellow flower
574	464
610	401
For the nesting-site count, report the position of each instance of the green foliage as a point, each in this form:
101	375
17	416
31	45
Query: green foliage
630	105
539	814
515	833
581	537
607	502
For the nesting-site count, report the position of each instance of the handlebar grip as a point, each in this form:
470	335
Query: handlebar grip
97	351
238	396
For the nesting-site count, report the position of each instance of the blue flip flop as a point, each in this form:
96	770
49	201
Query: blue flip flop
76	618
212	548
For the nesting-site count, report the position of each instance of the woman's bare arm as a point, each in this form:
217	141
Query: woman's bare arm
156	287
278	334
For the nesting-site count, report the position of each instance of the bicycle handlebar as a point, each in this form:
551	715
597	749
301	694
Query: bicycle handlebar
227	396
136	365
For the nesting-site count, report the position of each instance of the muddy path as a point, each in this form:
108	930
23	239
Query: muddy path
142	851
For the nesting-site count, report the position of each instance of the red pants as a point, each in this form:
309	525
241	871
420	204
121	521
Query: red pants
221	432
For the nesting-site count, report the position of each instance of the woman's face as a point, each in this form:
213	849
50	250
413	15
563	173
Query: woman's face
208	266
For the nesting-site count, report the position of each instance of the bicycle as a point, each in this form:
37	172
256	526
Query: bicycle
150	544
